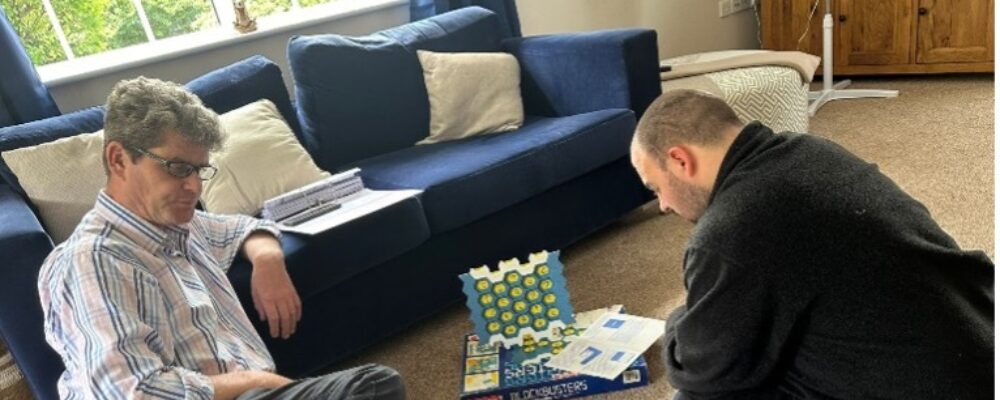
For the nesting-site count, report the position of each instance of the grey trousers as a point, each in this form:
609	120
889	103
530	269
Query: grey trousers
370	381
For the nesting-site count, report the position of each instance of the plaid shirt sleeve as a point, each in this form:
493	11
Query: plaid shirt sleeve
109	337
224	234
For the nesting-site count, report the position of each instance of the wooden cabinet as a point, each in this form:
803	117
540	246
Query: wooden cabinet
887	36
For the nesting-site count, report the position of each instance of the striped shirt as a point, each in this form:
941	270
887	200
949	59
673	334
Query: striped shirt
140	311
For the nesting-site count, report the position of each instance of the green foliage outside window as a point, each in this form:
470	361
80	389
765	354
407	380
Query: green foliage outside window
31	23
95	26
260	8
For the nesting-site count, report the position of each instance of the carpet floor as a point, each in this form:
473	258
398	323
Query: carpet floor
935	140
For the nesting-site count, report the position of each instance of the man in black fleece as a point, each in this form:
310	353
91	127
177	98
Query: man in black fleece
809	273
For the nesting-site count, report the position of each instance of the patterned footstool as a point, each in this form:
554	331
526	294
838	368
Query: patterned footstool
775	95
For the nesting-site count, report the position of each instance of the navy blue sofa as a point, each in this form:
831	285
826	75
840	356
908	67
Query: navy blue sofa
361	102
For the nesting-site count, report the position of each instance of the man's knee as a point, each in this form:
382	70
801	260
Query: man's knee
375	381
388	380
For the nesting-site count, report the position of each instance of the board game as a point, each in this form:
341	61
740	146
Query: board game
495	372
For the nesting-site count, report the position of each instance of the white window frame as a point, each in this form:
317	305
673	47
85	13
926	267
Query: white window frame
223	10
100	64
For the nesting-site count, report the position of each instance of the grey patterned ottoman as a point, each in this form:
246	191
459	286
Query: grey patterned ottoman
776	95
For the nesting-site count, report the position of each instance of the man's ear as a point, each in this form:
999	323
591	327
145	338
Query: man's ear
116	157
684	161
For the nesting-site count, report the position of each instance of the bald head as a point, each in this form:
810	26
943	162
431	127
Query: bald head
684	116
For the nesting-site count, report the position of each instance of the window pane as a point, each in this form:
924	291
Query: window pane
174	17
37	34
93	26
307	3
260	8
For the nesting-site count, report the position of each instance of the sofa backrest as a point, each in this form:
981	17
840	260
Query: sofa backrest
359	97
221	90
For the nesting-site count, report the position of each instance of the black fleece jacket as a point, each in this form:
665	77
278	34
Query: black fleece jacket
812	275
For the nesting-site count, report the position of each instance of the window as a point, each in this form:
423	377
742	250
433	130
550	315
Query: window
59	30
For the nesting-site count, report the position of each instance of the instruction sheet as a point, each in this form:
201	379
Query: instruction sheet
609	345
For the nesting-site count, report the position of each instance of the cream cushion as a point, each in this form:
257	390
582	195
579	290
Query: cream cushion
260	159
471	94
62	179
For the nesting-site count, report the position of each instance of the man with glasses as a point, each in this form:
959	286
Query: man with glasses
137	302
809	273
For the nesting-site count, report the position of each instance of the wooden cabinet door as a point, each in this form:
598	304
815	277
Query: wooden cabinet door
954	31
784	22
873	32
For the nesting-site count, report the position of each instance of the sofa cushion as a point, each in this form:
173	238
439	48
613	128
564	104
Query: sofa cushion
221	90
62	178
359	97
467	179
471	94
316	263
260	160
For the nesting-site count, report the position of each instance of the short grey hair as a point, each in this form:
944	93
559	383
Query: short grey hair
139	111
684	116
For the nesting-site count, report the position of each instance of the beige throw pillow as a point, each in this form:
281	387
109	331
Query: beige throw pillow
471	94
261	159
61	178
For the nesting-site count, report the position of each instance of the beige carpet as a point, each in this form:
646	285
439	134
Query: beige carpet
935	140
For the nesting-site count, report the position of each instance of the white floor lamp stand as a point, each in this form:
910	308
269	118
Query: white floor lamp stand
830	91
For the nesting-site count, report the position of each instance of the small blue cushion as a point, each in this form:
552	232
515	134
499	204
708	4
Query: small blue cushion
359	97
465	180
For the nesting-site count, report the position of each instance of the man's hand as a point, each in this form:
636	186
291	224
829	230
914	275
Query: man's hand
274	296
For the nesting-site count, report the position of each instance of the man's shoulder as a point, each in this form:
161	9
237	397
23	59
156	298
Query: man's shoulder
88	245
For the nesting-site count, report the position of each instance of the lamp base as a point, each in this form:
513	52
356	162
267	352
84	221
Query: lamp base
818	98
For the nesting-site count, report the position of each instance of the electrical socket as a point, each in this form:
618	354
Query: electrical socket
740	5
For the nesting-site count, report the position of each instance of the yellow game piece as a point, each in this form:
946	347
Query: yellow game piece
509	330
523	320
490	313
546	284
533	295
499	288
503	302
513	277
482	285
549	298
506	316
516	292
530	281
520	306
540	323
536	309
493	327
553	313
542	269
486	299
529	349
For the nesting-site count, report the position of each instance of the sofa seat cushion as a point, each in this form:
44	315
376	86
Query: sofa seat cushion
465	180
317	263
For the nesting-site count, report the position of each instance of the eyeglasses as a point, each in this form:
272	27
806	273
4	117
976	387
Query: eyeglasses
180	169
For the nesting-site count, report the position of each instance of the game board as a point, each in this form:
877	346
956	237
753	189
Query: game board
520	304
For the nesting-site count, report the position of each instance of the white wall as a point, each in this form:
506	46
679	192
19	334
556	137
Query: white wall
94	91
682	26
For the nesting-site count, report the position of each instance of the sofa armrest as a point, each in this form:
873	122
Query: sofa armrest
568	74
24	246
